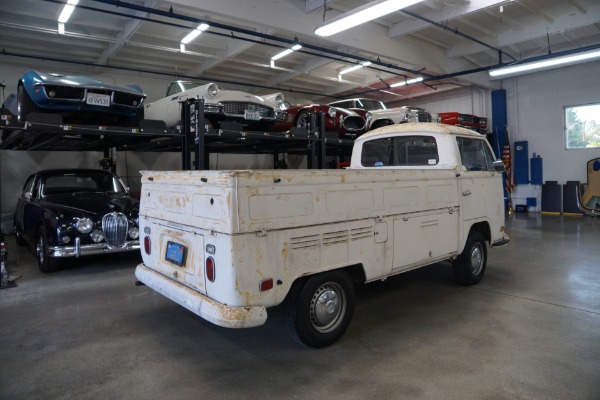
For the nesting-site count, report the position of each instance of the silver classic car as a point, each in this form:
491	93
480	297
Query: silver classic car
252	111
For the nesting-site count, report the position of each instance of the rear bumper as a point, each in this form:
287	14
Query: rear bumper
201	305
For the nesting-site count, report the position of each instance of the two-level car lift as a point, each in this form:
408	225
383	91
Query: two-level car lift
45	131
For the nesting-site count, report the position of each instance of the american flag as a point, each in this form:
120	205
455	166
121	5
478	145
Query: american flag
507	159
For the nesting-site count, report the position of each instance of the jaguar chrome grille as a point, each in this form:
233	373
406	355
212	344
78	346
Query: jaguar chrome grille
236	108
115	227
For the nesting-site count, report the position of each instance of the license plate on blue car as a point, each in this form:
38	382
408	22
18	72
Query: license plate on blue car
96	99
176	253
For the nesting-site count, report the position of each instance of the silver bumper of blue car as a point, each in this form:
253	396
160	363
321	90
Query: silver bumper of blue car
91	249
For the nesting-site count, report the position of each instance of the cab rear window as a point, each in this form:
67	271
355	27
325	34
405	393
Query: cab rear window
400	151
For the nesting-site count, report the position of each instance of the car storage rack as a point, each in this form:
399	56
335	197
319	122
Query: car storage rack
47	132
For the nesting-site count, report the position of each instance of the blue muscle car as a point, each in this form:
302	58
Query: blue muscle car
78	99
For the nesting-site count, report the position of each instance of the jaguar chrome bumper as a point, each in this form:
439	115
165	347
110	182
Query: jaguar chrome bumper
91	249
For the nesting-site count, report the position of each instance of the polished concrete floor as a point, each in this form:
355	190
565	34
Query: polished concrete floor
529	330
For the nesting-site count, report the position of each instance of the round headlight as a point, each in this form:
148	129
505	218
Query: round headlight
134	232
52	93
279	100
331	112
135	103
212	90
66	239
84	225
97	236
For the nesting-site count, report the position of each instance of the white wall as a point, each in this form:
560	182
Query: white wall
535	106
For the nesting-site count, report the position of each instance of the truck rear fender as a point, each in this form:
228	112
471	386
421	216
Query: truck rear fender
356	273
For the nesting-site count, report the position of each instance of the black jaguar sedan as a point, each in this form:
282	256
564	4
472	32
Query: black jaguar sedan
75	212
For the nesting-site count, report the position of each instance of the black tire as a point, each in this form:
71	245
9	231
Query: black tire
19	239
320	308
469	266
302	119
45	263
24	104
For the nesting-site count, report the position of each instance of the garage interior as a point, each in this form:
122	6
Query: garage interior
529	330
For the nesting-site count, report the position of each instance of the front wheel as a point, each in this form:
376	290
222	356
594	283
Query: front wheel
45	263
24	104
319	309
469	266
303	119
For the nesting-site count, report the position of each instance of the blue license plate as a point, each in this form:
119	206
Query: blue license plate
176	253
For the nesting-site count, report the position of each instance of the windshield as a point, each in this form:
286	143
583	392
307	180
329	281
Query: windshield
181	86
370	105
82	182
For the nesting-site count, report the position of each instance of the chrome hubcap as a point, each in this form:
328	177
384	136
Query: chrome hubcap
327	307
476	259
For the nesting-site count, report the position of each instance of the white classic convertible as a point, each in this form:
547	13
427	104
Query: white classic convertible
253	112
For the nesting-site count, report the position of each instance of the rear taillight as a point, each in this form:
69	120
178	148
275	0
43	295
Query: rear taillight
147	245
210	269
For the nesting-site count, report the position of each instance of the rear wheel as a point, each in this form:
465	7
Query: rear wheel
24	104
319	309
45	263
469	266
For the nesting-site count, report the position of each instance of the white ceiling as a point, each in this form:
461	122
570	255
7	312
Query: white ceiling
233	52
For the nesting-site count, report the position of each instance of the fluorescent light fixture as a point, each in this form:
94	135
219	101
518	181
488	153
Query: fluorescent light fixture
61	28
355	67
195	33
67	11
407	82
286	52
545	64
362	14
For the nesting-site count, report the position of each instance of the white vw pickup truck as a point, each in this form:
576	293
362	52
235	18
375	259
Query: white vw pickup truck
227	245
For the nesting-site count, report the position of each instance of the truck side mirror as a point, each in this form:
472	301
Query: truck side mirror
498	165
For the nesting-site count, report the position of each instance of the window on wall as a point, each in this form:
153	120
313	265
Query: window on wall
582	126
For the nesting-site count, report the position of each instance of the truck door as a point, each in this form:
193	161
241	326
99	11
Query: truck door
479	183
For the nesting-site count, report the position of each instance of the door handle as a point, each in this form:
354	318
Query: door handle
466	193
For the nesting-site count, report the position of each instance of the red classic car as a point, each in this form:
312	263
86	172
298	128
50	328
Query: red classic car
346	123
468	121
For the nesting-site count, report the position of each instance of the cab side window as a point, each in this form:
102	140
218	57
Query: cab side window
475	154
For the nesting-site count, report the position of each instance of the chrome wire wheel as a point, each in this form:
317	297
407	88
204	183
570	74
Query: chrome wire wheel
303	119
327	307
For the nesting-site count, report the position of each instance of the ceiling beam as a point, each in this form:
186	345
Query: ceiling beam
537	11
126	33
444	15
282	15
234	48
312	5
533	31
578	6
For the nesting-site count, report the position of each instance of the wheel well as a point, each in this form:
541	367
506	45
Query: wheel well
484	229
356	273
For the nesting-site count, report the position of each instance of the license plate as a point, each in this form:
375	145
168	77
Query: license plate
252	115
96	99
176	253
